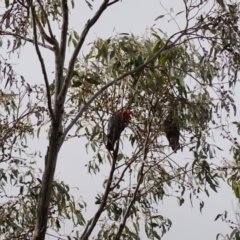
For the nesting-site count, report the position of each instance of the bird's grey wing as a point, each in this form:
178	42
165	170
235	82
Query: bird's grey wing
110	125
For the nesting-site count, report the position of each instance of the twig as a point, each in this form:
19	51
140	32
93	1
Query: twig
87	226
41	29
42	65
123	223
124	170
134	198
64	28
94	220
46	17
111	3
25	38
85	31
21	3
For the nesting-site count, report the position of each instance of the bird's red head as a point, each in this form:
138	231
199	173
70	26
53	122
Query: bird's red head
127	113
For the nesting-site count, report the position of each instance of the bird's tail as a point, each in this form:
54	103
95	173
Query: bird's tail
109	145
175	147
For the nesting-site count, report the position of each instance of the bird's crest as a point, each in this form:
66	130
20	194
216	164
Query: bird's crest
127	113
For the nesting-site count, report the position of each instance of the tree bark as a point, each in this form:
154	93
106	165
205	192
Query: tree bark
47	179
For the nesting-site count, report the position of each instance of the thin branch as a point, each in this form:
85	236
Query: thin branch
42	65
123	223
124	170
42	31
85	31
94	220
170	178
111	3
136	69
64	29
25	38
170	15
136	192
46	17
60	52
103	203
86	227
58	238
21	3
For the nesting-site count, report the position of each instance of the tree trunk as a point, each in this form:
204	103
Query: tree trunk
47	179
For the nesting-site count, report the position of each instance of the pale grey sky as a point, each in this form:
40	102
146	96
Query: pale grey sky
128	16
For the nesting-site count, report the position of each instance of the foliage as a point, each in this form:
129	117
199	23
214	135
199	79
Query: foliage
191	74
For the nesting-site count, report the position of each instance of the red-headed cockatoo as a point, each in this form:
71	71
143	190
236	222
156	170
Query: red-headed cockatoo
116	124
172	133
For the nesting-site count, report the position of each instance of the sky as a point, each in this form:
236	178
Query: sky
131	16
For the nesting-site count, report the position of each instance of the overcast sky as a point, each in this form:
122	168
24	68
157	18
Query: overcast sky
132	16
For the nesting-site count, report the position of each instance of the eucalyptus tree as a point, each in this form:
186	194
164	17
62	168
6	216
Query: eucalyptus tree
188	75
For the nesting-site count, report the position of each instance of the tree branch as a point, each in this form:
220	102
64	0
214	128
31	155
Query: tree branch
109	189
42	31
25	38
46	17
124	170
60	51
94	220
21	3
168	45
123	223
59	62
42	65
113	2
63	41
134	198
89	24
87	226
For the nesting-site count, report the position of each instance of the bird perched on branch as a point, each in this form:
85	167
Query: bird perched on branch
172	132
116	124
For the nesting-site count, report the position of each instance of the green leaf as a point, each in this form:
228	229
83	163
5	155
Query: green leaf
89	4
76	84
69	40
237	235
125	34
212	185
58	224
179	13
159	17
38	132
6	3
181	201
233	233
120	157
72	2
21	189
206	191
76	35
217	217
201	205
74	42
93	80
100	158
